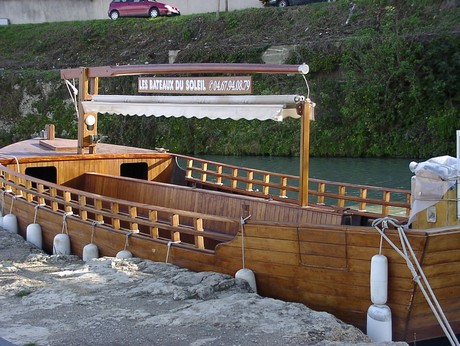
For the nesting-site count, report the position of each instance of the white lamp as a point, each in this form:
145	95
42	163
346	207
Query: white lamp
90	120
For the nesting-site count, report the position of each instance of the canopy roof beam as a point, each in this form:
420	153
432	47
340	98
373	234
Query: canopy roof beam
124	70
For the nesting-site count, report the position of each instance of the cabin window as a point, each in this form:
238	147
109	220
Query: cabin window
137	170
43	173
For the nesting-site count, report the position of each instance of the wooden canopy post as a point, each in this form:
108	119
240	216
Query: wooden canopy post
86	88
306	114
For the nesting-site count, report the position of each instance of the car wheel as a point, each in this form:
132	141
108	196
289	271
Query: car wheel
283	3
154	13
114	15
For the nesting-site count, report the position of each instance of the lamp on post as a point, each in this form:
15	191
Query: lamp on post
90	121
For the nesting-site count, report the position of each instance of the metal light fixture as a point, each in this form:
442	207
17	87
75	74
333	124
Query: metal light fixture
90	120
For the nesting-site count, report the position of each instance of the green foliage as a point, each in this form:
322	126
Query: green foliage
387	84
396	94
32	100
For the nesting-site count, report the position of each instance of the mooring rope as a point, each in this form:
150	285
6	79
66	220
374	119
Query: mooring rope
383	223
242	222
170	243
15	158
93	229
36	212
11	206
64	222
73	94
3	202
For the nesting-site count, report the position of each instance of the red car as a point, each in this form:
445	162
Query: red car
140	8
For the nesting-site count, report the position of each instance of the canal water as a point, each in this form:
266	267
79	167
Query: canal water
393	173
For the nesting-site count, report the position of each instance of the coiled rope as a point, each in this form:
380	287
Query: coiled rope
407	253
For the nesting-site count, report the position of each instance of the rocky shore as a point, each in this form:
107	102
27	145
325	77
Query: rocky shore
61	300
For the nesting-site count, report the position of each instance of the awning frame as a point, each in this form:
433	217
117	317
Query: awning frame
88	85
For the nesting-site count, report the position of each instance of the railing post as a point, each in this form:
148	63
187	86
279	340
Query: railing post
133	214
40	191
250	177
28	196
283	191
199	240
321	190
363	196
219	178
153	217
98	206
67	199
266	188
54	204
235	176
386	198
175	235
115	209
341	192
82	203
204	175
188	171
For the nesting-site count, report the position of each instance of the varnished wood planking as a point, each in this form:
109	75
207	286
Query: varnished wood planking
423	322
449	304
340	295
184	198
320	236
351	307
266	231
261	261
269	245
442	256
440	271
196	261
370	237
327	252
70	168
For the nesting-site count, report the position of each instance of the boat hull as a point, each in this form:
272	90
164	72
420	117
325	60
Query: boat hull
325	267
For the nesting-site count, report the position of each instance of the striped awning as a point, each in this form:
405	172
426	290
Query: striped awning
249	107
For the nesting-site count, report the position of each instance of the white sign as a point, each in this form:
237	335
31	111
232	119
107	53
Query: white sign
196	85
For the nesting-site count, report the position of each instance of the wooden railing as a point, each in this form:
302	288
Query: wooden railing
153	221
285	187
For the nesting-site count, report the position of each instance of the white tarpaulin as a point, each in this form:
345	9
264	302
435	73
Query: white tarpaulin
249	107
433	178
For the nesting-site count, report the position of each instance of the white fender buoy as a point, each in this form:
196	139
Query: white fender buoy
379	323
123	254
90	251
61	244
379	279
248	275
34	235
10	223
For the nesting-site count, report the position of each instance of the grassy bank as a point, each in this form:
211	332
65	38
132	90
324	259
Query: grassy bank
385	76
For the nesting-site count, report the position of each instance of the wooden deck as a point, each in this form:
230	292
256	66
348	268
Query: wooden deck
41	147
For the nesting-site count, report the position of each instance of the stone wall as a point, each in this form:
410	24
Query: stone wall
40	11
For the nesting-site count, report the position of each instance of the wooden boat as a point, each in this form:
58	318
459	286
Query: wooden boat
306	240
